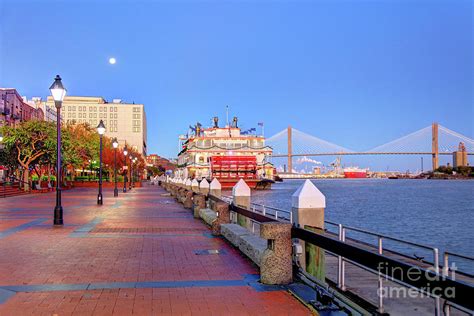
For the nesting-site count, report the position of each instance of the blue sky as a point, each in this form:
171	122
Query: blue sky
356	73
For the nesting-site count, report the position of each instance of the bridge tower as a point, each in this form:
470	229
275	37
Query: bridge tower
434	145
290	152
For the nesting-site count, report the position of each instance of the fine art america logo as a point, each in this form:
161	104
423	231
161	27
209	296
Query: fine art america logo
415	274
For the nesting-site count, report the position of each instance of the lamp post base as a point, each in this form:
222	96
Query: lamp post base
58	215
115	192
124	190
99	199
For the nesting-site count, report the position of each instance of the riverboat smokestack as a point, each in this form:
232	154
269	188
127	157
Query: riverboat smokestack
216	122
234	122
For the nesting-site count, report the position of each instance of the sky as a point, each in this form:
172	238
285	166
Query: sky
355	73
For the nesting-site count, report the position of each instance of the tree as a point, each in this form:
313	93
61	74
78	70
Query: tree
30	141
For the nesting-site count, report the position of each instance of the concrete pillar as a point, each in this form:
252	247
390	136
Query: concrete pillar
241	197
195	186
276	266
215	188
199	202
290	150
187	184
434	146
204	187
308	204
223	217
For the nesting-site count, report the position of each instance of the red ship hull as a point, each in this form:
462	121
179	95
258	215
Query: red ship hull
355	174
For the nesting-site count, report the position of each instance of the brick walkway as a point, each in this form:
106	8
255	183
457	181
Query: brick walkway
141	254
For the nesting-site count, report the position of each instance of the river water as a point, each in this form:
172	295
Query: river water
437	213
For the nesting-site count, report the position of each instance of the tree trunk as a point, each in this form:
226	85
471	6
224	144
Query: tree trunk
26	179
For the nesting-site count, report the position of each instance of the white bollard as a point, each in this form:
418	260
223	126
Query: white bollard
241	197
204	187
215	188
308	204
195	185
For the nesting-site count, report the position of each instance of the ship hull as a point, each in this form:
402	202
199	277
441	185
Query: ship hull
355	174
254	184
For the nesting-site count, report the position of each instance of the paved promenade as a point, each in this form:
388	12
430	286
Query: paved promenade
140	254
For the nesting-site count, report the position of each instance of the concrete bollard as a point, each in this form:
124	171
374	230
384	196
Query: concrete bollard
188	199
204	187
308	204
195	186
223	217
215	188
199	201
187	184
241	197
276	266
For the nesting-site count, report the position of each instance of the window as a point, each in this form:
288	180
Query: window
136	129
100	109
135	109
115	109
136	116
115	115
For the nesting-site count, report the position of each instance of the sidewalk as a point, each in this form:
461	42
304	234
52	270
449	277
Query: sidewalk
141	253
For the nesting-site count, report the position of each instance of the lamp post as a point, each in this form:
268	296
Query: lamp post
131	173
134	161
101	131
125	153
58	92
115	145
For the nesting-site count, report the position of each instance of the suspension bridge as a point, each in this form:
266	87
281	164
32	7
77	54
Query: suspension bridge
434	140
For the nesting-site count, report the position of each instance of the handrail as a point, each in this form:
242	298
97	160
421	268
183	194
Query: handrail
427	280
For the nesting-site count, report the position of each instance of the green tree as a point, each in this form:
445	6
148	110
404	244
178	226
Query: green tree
30	141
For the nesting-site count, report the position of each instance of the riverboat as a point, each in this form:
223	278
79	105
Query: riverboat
227	154
355	173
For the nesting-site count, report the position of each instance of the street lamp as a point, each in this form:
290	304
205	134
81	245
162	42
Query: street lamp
131	173
134	161
58	92
125	153
101	131
115	145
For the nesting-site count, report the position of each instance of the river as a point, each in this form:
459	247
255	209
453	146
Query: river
437	213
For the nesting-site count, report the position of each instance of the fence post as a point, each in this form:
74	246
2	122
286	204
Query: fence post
204	187
195	186
241	197
276	265
215	188
308	205
223	217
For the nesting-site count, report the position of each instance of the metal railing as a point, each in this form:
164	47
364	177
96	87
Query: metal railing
341	235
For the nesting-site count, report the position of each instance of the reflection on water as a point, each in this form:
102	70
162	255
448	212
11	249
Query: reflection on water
437	213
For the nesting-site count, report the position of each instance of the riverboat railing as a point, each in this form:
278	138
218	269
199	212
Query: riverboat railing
340	235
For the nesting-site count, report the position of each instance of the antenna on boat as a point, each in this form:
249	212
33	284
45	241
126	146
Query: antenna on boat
227	115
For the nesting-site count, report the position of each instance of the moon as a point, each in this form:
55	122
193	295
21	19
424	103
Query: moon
112	60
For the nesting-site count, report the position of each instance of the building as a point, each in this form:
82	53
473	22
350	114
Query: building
50	113
14	109
159	162
125	121
460	156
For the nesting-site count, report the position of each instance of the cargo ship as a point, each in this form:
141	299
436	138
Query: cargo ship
227	154
355	173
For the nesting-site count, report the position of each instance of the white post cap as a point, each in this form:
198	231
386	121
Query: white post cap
204	184
241	189
195	183
187	182
215	184
308	196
